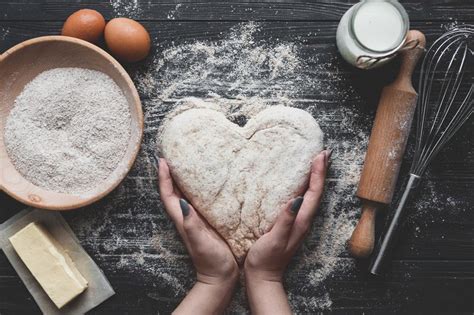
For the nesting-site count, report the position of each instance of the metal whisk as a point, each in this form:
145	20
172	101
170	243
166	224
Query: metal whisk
445	103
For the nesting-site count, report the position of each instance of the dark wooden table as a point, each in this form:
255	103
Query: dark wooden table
131	239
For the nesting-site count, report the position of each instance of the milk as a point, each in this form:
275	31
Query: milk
378	26
374	29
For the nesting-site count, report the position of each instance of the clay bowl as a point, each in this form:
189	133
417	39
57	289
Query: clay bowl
21	64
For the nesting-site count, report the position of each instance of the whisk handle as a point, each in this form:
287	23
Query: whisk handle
388	240
410	57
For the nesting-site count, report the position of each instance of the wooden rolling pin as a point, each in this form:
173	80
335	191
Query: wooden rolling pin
386	148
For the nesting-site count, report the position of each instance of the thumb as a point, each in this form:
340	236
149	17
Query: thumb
286	218
192	224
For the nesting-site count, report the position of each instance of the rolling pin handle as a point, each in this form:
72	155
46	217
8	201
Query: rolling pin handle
361	243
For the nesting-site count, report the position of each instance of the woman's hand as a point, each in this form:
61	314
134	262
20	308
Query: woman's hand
268	258
216	268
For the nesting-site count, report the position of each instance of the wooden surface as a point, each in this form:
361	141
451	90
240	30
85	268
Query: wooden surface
131	239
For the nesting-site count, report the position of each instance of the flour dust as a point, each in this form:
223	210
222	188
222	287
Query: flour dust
126	8
4	32
243	72
174	13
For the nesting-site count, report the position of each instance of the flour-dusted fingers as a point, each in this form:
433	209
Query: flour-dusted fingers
281	230
165	182
177	191
168	195
167	179
312	199
196	232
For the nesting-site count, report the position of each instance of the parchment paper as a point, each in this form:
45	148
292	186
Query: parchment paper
99	289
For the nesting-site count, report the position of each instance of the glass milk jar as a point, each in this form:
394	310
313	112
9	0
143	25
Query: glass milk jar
371	32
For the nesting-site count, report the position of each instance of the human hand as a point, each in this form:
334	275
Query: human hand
268	258
216	268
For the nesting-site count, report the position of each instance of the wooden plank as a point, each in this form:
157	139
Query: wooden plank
319	36
157	10
132	239
450	173
421	281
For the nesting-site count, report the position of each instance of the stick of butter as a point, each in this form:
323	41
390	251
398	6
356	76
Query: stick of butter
49	263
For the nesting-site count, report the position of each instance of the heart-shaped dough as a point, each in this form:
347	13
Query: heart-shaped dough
239	178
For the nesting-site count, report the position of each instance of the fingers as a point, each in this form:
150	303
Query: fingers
194	227
312	199
281	230
167	194
164	176
165	181
188	223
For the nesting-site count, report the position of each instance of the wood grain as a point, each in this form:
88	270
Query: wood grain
390	132
230	10
432	269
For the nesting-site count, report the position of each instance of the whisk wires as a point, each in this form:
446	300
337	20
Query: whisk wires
445	94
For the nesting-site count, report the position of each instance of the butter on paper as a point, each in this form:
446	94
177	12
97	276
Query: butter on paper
99	289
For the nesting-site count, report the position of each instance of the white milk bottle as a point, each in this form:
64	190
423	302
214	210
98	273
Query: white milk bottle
372	32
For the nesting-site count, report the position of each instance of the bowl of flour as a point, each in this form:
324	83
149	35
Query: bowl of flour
71	123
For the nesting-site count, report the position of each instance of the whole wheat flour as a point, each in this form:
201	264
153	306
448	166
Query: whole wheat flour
68	130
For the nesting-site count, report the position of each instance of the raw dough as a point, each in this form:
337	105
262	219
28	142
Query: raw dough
239	178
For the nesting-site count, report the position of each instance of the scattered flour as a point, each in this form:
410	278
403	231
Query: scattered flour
173	14
4	32
258	74
68	129
126	8
243	74
450	25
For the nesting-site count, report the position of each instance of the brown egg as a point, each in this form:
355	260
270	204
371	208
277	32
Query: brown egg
127	39
85	24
